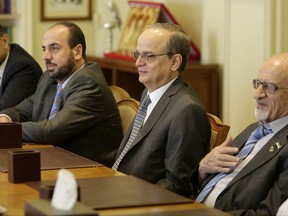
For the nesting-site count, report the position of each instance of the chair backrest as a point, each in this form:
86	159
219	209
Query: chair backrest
127	108
119	93
219	130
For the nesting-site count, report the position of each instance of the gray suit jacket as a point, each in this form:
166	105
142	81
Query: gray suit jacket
172	141
262	185
88	123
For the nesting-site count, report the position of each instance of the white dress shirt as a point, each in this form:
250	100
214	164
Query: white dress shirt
155	97
2	68
283	209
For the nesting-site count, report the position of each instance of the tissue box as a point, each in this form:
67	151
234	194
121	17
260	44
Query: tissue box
43	208
46	192
23	166
141	15
11	135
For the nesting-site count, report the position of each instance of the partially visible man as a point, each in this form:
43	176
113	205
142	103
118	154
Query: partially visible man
175	134
19	72
84	117
254	181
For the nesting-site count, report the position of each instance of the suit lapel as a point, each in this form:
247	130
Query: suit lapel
242	138
153	118
269	150
157	111
46	102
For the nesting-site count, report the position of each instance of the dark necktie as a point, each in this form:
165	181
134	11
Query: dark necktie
260	132
56	102
138	122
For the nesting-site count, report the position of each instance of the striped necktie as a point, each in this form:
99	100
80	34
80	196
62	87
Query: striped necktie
138	122
260	132
56	102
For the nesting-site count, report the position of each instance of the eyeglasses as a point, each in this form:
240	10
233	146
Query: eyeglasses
148	57
267	87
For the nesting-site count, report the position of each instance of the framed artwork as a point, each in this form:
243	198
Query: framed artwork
53	10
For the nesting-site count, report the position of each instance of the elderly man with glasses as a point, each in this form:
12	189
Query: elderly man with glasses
171	133
249	175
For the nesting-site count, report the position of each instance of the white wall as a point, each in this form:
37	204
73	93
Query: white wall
237	34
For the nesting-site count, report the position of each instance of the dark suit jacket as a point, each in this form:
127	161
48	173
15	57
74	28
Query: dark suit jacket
172	141
262	186
20	77
88	123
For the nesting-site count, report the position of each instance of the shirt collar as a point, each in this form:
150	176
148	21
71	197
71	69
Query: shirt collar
157	94
278	124
67	80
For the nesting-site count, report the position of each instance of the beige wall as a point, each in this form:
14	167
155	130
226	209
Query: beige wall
236	34
96	35
284	25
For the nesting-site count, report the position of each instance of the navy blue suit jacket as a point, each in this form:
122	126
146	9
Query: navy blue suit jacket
20	77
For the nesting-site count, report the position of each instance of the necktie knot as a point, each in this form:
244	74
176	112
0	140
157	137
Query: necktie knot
146	101
267	129
262	131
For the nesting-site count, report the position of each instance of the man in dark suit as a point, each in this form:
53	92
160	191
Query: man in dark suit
19	72
176	132
255	184
85	118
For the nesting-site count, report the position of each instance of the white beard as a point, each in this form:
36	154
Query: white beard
261	115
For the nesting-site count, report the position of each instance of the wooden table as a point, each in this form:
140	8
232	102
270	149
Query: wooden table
13	196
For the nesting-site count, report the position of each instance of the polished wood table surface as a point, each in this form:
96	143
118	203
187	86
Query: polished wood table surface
13	196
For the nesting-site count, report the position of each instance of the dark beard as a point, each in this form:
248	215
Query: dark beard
65	70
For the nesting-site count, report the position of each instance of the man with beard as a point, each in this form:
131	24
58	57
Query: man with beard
84	117
249	175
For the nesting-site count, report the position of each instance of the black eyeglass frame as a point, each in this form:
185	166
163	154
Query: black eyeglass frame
267	87
149	56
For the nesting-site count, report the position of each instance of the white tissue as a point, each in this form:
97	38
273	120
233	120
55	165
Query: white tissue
65	191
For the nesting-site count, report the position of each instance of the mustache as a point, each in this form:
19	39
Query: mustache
262	101
48	62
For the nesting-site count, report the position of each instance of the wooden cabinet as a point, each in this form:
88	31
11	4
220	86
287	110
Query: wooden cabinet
202	77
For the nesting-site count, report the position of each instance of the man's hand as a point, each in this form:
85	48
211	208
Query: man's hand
4	119
219	159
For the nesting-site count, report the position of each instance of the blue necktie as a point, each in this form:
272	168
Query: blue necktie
260	132
56	102
138	122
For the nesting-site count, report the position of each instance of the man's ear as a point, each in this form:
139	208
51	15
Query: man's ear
5	39
78	52
176	62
